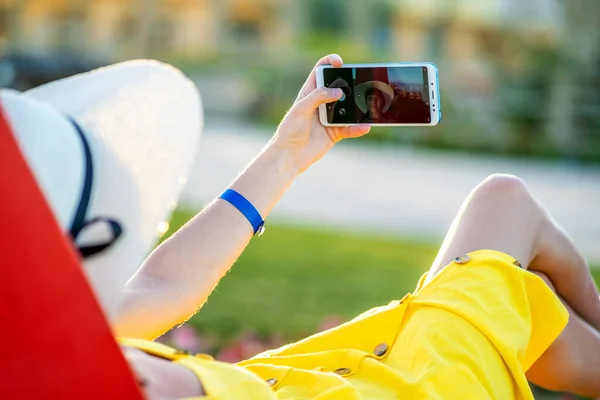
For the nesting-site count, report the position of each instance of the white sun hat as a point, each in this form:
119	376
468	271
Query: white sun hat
111	150
361	98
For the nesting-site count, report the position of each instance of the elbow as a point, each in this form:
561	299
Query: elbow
151	307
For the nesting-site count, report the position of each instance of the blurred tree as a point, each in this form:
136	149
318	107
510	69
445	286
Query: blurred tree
575	117
13	22
4	25
293	13
145	12
71	32
526	58
221	34
329	17
360	21
526	94
247	21
381	20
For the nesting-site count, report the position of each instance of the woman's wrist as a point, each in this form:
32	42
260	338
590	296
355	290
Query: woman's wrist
284	160
267	178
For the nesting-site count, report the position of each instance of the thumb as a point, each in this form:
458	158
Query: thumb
307	106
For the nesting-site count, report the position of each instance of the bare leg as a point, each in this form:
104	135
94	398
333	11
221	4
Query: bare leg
572	362
501	214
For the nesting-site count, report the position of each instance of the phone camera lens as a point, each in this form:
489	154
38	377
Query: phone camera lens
342	111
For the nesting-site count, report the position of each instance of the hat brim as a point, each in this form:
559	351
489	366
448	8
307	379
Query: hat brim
48	142
361	90
143	121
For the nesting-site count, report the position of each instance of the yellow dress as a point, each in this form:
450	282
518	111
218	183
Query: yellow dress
471	333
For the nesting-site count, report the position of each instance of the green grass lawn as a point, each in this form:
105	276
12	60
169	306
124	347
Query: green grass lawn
291	278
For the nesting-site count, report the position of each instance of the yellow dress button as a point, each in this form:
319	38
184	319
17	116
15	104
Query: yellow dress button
462	259
381	349
342	371
271	381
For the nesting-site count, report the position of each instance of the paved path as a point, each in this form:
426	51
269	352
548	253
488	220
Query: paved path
404	191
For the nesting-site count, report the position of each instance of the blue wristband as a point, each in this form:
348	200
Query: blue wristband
246	208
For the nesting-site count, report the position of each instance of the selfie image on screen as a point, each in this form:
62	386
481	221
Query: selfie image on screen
392	95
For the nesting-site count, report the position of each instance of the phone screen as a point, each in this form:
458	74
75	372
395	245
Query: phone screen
379	95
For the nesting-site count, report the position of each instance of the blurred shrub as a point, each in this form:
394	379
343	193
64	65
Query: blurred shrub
275	91
516	125
318	44
278	85
243	346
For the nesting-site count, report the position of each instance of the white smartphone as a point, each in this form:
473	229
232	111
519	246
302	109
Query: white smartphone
386	94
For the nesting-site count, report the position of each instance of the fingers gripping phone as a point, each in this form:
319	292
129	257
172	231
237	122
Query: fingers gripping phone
389	94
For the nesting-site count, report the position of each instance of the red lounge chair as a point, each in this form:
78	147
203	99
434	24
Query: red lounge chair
56	343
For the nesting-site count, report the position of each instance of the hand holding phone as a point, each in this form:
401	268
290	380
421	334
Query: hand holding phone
390	94
300	135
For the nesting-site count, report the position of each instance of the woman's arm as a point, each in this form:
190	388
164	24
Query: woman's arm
180	274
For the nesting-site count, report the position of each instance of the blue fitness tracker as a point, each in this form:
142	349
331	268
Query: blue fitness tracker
246	208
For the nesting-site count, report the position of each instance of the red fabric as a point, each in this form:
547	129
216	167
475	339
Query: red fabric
55	341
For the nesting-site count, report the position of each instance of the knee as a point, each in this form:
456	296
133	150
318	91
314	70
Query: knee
502	187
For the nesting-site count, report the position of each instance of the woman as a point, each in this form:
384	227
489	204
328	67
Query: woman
374	99
508	298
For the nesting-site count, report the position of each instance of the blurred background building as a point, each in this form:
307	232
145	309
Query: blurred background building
517	76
